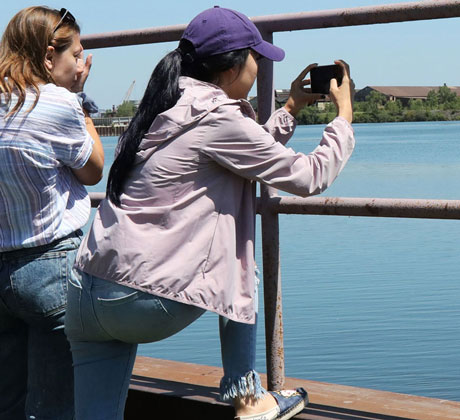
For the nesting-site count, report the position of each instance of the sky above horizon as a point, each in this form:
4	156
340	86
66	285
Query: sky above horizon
422	53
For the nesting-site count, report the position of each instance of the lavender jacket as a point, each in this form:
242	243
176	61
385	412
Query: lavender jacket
185	229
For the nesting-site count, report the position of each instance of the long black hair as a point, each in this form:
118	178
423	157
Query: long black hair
162	93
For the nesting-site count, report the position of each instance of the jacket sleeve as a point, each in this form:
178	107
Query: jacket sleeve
281	125
242	146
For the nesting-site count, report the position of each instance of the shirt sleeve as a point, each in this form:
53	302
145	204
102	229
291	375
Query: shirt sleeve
239	144
71	142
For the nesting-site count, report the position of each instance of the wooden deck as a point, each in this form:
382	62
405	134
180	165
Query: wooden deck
189	391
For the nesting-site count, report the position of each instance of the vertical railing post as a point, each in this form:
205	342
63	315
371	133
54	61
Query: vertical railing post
270	245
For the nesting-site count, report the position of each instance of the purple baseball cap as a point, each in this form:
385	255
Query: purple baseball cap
219	30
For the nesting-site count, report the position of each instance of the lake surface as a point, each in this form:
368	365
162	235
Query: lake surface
368	302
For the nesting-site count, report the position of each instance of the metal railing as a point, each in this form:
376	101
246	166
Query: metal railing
270	205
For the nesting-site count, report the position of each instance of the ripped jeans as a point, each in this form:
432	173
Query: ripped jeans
105	321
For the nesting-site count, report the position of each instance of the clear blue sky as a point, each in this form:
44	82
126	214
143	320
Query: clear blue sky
411	53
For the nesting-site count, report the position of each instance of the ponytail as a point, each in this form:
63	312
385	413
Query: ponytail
162	93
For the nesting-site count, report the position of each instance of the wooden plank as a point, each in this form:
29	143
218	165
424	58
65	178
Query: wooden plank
200	383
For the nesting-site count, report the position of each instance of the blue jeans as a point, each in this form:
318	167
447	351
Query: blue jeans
36	379
104	323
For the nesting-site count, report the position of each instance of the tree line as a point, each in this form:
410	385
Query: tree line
441	105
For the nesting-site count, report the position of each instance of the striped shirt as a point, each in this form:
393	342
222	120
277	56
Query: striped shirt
40	198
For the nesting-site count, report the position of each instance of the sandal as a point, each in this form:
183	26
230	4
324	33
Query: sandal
290	402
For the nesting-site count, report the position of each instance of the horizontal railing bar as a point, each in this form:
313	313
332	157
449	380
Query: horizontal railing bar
96	198
389	13
369	15
351	206
133	37
367	207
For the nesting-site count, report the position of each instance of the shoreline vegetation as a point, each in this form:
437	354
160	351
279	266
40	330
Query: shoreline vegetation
440	105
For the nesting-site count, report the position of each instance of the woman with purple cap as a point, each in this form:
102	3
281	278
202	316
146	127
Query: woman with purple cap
175	235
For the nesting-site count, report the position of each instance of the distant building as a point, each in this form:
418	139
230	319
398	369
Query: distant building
402	93
281	97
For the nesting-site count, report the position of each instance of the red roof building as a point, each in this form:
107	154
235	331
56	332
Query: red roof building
403	93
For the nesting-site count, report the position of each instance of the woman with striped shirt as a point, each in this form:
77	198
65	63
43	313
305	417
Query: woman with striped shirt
49	149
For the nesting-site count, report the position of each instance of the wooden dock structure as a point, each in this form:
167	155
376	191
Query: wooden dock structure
111	126
110	131
177	390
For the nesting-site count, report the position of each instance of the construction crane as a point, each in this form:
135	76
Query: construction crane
128	93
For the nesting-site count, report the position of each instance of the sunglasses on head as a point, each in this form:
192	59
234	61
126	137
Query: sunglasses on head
66	17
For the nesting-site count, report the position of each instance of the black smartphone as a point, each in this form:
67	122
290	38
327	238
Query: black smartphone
321	77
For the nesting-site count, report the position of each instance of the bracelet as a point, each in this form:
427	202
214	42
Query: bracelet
87	103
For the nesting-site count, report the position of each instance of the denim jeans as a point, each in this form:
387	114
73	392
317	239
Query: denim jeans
104	323
36	379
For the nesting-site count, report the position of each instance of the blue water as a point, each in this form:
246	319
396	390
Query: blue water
368	302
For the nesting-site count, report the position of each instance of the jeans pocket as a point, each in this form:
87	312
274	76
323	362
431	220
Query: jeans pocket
40	284
131	297
135	317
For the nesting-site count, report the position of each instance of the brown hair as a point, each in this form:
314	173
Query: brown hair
23	50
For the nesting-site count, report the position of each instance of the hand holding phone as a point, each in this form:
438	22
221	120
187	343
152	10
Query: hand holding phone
321	77
301	95
342	96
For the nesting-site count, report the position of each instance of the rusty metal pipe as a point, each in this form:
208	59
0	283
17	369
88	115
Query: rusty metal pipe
273	304
265	86
369	15
399	12
350	206
367	207
274	342
133	37
96	198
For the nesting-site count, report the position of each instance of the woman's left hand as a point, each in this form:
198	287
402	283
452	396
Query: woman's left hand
83	68
300	95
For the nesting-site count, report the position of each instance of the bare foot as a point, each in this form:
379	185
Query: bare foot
250	406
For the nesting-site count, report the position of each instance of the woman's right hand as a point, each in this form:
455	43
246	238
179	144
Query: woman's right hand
342	96
300	95
83	68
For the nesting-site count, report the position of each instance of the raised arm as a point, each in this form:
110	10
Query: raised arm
245	148
91	173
